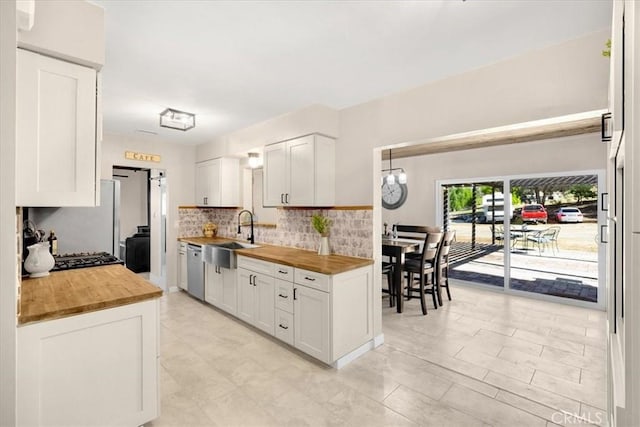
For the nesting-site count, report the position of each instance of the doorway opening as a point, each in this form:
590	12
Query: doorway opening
143	213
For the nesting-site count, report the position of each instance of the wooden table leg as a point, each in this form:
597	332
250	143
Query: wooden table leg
397	282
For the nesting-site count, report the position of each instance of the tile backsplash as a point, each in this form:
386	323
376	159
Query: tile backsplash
350	228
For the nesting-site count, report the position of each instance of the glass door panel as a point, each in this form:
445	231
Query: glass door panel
554	236
475	211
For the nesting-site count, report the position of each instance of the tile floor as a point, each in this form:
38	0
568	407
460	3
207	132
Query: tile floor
484	359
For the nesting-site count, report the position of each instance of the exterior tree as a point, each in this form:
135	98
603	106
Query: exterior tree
583	191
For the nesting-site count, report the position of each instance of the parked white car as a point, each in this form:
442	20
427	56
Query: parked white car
569	214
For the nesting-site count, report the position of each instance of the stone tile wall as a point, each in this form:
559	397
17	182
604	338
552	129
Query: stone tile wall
350	229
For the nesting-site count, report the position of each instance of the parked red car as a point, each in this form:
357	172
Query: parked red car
534	213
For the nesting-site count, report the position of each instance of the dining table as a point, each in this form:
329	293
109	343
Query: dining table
396	249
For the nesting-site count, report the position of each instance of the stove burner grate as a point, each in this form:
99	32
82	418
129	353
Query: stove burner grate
83	260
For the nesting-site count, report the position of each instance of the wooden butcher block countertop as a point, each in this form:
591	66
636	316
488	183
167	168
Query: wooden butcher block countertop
69	292
299	258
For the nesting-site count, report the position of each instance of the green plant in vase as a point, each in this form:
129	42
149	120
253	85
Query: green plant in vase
321	224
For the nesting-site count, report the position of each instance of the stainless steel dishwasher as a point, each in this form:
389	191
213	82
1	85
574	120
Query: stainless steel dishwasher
195	272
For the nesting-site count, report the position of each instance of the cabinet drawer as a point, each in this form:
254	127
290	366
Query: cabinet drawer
283	272
256	265
312	279
284	326
284	295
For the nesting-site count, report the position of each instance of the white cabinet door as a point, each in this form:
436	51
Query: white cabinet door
218	182
213	289
228	182
274	177
229	291
284	295
311	322
202	183
301	172
213	196
55	132
255	300
264	306
93	369
182	266
246	295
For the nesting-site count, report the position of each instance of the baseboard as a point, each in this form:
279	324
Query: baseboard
353	355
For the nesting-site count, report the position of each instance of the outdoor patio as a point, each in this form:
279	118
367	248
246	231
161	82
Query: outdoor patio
566	273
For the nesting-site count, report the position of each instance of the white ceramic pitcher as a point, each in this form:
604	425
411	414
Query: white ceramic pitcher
39	261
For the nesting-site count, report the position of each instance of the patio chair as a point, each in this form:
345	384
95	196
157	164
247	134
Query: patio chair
553	238
543	239
425	269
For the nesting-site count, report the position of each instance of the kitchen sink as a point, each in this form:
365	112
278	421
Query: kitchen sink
224	254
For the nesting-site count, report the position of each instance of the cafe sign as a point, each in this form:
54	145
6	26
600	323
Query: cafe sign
143	157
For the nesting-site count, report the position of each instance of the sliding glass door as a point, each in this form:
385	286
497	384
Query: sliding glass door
533	234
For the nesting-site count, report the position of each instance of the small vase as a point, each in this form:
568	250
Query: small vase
324	246
39	261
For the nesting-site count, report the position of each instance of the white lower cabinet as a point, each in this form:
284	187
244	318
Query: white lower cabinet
255	299
325	316
284	326
93	369
182	265
311	322
220	288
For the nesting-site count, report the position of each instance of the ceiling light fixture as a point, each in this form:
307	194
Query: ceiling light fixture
254	160
391	178
175	119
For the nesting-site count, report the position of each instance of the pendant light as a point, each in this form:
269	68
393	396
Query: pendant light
391	179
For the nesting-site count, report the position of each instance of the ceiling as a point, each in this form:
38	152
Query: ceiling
236	63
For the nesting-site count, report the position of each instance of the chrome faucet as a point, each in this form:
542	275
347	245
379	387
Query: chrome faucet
251	238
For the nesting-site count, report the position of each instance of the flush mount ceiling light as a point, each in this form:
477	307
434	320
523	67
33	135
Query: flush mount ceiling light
391	177
254	160
175	119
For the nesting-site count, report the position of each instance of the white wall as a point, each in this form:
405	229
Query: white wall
133	200
8	273
70	30
312	119
582	152
178	162
568	78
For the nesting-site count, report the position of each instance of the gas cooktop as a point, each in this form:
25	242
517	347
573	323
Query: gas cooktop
84	259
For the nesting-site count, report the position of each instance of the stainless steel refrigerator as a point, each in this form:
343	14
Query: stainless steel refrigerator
95	229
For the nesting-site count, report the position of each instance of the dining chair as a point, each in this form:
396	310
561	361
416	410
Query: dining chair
425	269
387	269
418	232
442	264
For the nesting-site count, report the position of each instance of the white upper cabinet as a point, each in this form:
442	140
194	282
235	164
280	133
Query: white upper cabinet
300	172
55	132
218	183
69	30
